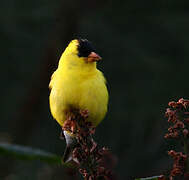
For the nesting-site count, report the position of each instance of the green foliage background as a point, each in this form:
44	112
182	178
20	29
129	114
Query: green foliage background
145	50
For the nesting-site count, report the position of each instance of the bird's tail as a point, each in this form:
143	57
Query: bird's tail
71	143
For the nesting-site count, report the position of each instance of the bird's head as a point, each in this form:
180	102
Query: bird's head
82	50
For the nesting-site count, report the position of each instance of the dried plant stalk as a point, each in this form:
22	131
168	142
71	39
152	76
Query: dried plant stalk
178	117
92	162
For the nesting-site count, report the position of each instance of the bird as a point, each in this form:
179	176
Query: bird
77	83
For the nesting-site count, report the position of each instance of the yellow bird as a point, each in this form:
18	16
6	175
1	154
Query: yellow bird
78	84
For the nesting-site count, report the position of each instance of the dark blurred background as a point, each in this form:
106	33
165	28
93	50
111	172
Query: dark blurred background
144	45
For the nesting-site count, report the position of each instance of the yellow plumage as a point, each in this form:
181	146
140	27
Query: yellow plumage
78	84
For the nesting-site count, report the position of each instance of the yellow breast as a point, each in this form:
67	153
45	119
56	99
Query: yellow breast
75	89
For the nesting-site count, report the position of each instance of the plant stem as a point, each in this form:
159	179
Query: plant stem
186	152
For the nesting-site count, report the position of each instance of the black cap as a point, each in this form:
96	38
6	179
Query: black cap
84	48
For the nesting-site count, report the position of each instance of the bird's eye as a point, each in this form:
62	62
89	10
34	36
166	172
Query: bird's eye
84	53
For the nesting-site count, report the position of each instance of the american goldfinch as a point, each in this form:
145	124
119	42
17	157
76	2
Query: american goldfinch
78	84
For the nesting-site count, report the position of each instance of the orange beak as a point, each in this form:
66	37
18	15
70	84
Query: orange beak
93	57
